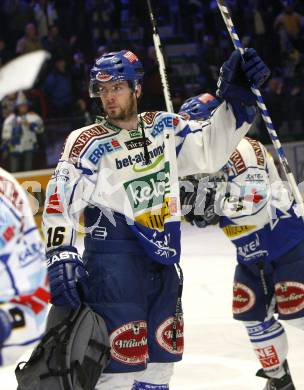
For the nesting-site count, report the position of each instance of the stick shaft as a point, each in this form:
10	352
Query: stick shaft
264	112
161	61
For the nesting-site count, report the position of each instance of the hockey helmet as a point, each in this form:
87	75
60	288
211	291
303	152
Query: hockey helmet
120	65
199	107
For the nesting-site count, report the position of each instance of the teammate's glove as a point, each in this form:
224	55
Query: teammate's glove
5	326
237	75
67	277
201	214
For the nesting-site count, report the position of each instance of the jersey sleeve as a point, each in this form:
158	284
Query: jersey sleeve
68	193
205	147
22	256
247	191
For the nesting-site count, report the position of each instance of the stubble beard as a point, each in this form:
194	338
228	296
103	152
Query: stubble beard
126	113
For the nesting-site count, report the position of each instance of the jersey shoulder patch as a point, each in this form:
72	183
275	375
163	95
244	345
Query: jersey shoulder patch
149	117
81	138
258	151
238	162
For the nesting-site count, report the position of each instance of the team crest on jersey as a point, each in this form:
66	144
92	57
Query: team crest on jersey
164	335
290	297
129	343
243	298
103	77
83	139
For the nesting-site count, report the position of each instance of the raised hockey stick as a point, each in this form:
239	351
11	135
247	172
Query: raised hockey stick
161	61
264	112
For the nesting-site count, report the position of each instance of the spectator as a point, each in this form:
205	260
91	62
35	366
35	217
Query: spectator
8	105
80	73
45	16
20	133
59	90
19	13
55	44
30	41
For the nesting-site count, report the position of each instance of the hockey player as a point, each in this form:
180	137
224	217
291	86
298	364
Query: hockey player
122	172
24	291
256	212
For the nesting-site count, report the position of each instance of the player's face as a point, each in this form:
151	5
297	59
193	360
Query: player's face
118	100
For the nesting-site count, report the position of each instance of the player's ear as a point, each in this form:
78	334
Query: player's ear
138	90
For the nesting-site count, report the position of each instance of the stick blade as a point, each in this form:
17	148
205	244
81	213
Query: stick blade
21	73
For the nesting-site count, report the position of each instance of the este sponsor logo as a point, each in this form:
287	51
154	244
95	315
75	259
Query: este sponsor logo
129	343
289	297
267	356
158	128
243	298
164	335
138	160
138	143
103	148
149	190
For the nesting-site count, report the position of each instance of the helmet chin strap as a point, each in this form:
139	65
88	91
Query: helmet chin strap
146	152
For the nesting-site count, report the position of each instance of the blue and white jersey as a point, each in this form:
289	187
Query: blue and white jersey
22	265
104	166
257	211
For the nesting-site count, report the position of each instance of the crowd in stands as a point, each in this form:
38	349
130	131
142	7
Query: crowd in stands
76	32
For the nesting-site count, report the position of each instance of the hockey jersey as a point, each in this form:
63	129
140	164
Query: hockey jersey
257	211
104	166
22	257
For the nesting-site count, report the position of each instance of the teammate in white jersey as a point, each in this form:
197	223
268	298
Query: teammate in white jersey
122	172
256	212
24	291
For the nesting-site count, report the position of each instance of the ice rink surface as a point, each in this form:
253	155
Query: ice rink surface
218	355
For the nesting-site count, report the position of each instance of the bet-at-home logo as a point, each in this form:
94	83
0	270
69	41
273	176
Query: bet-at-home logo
148	191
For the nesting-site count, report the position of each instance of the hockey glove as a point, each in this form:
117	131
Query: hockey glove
200	207
5	326
237	75
67	277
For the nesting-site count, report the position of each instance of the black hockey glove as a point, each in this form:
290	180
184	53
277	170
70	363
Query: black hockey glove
237	75
198	207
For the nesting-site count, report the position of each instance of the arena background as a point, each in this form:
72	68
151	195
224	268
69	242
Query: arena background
195	43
